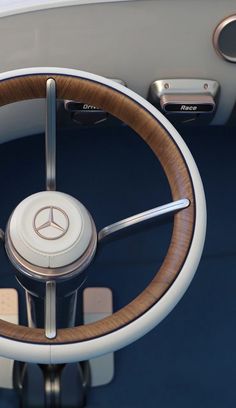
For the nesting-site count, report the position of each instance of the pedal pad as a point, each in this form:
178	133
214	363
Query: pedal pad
97	304
9	311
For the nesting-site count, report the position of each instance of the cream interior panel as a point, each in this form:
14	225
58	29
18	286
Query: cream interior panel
137	41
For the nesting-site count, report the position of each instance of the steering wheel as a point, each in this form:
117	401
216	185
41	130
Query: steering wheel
31	253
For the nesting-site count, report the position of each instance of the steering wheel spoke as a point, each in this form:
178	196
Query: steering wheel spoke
142	217
50	135
50	310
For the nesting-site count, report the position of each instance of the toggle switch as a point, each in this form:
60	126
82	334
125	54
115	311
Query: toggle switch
86	114
171	103
185	97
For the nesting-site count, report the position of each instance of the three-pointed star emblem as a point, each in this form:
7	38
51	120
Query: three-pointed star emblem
51	222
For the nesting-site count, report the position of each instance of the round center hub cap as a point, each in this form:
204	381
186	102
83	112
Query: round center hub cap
50	229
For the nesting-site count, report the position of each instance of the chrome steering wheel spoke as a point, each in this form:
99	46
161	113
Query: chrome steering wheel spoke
50	156
50	310
142	217
50	135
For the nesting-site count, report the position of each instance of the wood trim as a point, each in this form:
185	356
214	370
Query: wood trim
172	161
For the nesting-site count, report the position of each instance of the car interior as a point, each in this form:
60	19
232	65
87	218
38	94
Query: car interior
117	215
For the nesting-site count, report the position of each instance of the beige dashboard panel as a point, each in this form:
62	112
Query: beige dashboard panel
137	41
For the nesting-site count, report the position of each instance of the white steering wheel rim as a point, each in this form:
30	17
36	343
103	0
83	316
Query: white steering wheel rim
64	353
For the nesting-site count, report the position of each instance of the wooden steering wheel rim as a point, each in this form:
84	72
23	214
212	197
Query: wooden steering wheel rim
176	169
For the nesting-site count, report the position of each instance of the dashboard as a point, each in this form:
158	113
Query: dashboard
136	41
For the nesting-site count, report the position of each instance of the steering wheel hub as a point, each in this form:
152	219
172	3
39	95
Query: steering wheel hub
50	230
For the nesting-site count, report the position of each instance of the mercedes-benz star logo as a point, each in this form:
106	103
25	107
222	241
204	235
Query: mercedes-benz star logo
51	223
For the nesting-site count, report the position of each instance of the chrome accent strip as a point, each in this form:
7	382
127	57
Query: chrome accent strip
50	135
50	310
30	309
144	216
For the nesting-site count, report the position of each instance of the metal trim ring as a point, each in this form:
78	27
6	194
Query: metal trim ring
216	37
43	274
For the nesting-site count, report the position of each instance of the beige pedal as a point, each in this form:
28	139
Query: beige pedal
9	311
97	304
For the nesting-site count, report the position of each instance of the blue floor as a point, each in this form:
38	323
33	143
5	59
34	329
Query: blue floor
189	359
